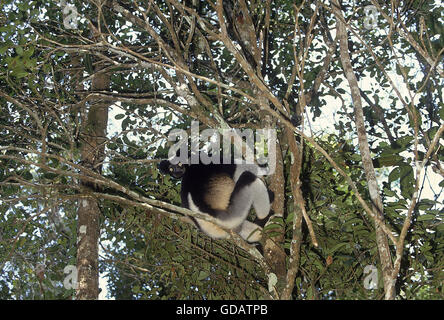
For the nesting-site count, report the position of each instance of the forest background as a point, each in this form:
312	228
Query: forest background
90	89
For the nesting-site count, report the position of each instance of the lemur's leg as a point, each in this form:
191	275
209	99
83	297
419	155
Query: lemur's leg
250	231
261	200
240	202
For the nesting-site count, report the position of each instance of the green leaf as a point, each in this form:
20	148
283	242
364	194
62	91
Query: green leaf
425	204
289	218
125	124
3	49
394	175
336	248
19	50
28	53
273	234
272	226
203	275
20	74
425	217
387	161
407	181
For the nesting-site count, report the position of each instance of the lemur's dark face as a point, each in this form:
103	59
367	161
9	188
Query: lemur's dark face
175	170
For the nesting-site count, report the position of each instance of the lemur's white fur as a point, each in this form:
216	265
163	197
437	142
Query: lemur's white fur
255	194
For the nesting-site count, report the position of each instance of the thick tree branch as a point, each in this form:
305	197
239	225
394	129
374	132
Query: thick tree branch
377	206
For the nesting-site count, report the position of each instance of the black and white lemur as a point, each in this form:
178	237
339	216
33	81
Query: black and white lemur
224	191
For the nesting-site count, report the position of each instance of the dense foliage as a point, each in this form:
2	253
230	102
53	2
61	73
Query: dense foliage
170	63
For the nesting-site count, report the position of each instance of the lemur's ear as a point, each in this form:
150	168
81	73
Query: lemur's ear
164	166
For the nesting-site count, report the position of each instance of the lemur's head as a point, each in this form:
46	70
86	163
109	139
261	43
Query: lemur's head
175	170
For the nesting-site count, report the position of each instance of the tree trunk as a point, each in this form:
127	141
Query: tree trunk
377	206
88	231
274	253
299	203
